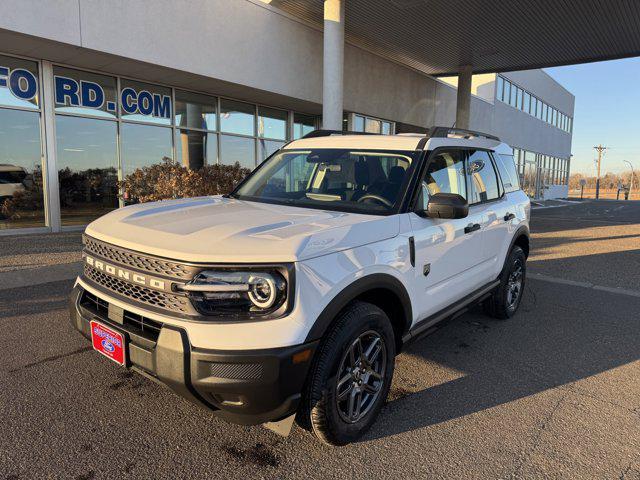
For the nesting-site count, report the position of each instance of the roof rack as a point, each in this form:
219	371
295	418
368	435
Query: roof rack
328	133
444	132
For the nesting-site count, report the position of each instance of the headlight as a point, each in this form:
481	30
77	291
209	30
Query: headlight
236	292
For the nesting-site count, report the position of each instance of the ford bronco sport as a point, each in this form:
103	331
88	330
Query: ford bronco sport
290	297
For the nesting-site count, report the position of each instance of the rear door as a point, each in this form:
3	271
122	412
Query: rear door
448	252
487	200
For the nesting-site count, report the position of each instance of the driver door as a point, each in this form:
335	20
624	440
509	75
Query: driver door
447	252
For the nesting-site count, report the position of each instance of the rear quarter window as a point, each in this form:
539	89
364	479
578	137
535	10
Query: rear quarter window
508	172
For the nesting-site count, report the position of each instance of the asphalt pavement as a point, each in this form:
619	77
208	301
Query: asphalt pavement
552	393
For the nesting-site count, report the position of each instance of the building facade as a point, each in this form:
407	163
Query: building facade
91	90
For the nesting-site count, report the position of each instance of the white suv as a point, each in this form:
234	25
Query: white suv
292	295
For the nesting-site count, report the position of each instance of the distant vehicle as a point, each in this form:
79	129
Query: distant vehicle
293	294
12	178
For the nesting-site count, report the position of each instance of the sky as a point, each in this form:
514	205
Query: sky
607	112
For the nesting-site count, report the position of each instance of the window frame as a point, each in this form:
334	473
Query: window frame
413	191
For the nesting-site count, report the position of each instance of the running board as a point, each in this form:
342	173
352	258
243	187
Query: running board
429	324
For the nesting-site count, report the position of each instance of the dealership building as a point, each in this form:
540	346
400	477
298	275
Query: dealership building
92	90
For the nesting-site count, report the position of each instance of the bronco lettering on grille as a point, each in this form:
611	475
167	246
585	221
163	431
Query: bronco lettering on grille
125	274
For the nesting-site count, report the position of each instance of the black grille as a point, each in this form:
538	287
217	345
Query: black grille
137	323
139	261
167	301
236	371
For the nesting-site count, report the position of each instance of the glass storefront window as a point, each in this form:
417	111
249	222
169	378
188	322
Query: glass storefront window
84	93
195	149
87	157
237	149
21	193
386	128
19	86
372	126
143	102
267	147
527	102
143	145
237	117
499	88
194	110
358	124
303	124
272	123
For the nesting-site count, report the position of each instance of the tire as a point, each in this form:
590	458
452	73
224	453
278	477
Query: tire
338	422
501	304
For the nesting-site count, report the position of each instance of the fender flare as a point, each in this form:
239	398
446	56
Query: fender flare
520	231
355	289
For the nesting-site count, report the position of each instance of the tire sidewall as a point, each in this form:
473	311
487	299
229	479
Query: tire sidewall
340	431
516	254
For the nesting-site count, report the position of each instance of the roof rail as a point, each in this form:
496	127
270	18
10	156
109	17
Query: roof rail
328	133
444	132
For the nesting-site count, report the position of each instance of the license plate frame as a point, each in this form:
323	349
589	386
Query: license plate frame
109	342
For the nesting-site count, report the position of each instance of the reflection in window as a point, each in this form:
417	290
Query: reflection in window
508	173
358	124
267	147
237	117
194	110
96	93
196	149
483	180
444	175
372	126
303	124
87	157
237	149
272	123
143	145
21	197
21	79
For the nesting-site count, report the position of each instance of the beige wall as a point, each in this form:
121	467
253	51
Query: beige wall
248	50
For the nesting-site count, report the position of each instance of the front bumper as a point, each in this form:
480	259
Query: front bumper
244	387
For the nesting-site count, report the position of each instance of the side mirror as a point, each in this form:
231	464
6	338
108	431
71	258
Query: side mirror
447	205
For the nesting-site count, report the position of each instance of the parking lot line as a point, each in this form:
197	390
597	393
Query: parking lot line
563	281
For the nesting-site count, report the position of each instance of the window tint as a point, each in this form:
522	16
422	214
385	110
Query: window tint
482	178
508	174
445	174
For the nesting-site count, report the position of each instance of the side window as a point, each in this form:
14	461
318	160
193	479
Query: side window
508	173
445	174
482	178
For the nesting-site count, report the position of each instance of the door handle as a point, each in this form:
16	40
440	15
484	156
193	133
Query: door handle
509	216
472	227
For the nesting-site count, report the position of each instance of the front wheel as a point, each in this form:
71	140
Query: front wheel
351	375
505	300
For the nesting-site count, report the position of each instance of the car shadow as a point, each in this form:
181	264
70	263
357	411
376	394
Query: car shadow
479	363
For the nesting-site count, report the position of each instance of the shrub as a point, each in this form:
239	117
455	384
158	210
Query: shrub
169	179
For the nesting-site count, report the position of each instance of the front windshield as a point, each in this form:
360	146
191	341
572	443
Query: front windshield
364	181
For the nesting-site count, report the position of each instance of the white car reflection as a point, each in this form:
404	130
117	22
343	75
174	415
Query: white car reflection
12	180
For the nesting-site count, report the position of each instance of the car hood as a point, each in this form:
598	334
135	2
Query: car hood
217	229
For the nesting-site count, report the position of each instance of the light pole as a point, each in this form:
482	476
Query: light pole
631	182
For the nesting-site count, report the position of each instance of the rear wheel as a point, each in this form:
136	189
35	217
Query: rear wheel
505	300
351	375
